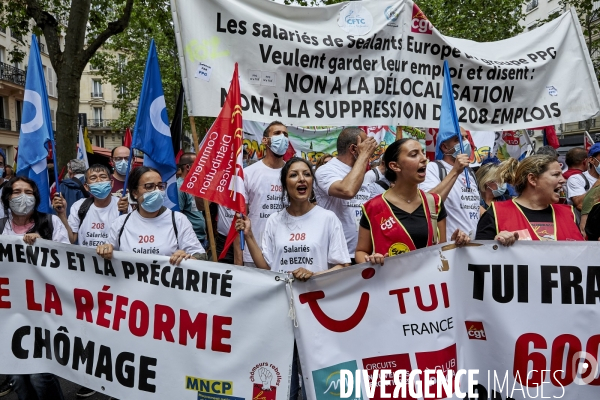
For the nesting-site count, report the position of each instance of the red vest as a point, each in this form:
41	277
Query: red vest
388	235
509	217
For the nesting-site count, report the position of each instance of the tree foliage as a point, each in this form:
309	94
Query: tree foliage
122	61
74	30
588	12
479	20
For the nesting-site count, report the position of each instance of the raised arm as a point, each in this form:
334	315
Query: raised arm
348	187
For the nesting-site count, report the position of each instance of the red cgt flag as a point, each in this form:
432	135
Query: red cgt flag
587	141
217	174
128	139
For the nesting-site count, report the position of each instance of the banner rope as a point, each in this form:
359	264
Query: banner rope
292	312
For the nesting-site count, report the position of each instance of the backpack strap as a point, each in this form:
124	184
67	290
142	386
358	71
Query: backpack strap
587	182
377	175
3	224
384	185
122	228
433	205
442	170
83	210
175	227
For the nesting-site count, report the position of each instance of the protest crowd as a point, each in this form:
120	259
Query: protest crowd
364	203
332	213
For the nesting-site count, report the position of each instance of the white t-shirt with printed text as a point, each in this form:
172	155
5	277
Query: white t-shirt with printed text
59	233
155	235
314	241
349	212
224	220
576	185
95	227
263	195
462	204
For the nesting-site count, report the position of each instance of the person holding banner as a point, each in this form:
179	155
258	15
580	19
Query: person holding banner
20	200
290	242
89	221
152	228
534	214
404	218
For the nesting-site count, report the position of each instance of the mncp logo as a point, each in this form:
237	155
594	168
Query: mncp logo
209	389
327	380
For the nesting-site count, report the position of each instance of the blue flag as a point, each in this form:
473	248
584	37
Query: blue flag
449	126
152	134
448	118
36	128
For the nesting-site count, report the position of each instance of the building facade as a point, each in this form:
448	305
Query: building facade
12	89
570	134
97	101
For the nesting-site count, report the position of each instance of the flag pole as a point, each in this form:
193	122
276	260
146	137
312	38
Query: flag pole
55	164
127	173
209	227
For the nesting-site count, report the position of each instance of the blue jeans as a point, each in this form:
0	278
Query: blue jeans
296	372
37	387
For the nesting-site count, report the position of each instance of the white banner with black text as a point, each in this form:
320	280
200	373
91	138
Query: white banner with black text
377	62
136	327
523	321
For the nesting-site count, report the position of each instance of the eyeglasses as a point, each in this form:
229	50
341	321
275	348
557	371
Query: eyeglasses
151	186
117	159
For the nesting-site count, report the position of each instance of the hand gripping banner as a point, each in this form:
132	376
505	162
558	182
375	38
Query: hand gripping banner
136	327
522	320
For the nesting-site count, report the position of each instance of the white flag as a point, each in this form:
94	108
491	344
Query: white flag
81	153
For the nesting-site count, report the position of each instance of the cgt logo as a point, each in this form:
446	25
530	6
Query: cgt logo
475	330
420	23
387	223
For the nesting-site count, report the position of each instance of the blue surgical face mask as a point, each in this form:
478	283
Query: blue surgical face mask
121	167
279	144
153	201
500	191
100	190
598	166
466	146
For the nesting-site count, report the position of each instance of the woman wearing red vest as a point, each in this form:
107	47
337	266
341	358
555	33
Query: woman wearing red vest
403	218
534	214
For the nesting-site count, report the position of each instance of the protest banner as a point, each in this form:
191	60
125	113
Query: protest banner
311	142
502	311
377	63
137	327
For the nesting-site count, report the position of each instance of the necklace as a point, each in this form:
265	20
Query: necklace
408	201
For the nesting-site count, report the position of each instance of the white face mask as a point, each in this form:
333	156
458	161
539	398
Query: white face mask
22	204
